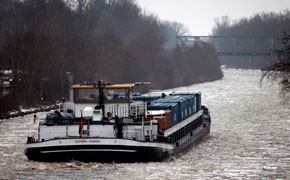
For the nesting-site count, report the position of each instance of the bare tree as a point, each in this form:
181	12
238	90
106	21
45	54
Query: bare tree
171	30
221	25
280	71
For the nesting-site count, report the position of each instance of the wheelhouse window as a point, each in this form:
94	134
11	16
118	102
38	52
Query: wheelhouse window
86	95
116	95
111	95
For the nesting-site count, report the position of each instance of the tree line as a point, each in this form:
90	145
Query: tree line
269	24
42	41
259	25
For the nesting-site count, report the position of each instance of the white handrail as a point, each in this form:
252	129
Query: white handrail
65	135
139	135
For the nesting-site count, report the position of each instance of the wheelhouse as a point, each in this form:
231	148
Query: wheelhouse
117	93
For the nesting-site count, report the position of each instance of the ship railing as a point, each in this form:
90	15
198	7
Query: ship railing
60	134
141	136
118	110
151	131
139	132
138	135
145	132
43	136
138	110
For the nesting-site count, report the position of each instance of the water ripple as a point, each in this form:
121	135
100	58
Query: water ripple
249	140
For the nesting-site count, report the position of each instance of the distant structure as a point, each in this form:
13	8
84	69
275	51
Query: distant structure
239	51
236	45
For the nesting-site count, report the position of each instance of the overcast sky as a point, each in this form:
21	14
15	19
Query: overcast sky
198	15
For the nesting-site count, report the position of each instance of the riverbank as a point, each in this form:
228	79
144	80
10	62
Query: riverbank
26	110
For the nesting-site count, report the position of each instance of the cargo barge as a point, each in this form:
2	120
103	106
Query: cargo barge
109	123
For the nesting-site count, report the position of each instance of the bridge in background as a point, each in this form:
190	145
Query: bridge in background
236	45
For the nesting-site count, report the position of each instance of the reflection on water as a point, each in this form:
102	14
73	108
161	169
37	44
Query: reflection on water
250	139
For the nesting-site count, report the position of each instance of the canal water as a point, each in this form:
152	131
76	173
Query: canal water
250	139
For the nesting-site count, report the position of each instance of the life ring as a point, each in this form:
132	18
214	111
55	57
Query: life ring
109	114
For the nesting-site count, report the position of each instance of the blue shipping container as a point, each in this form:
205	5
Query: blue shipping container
183	105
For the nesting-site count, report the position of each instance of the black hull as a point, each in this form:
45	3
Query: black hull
97	154
112	153
194	140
